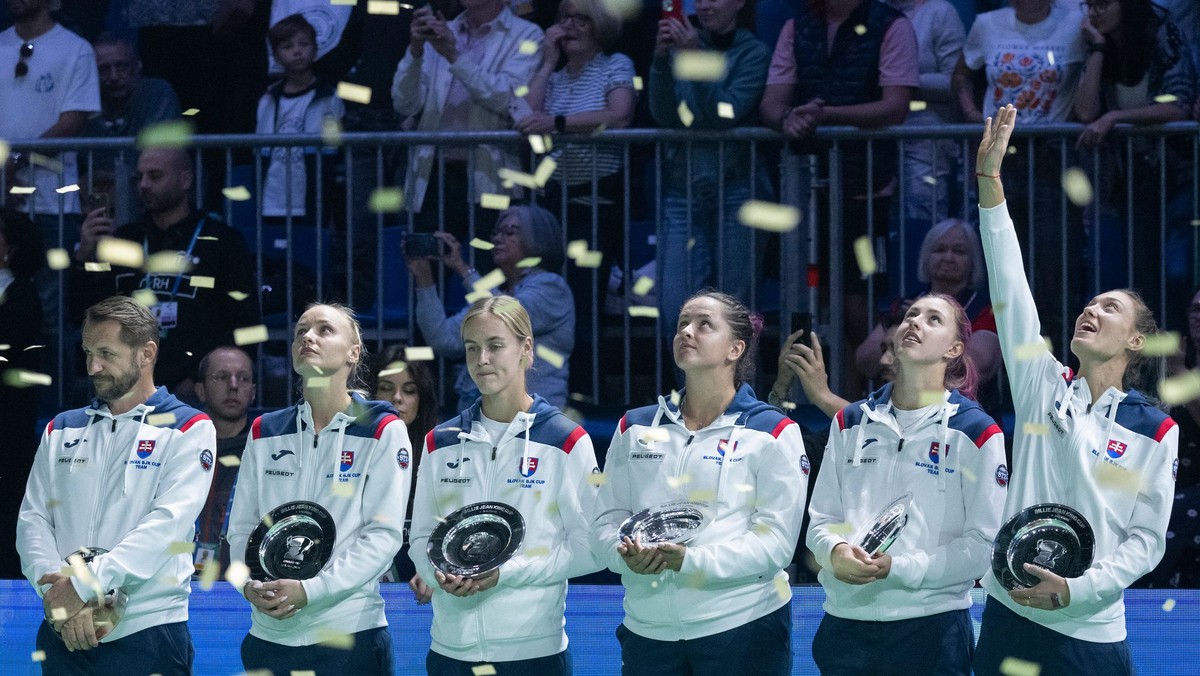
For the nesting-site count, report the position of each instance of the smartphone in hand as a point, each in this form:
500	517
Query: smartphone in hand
100	200
672	9
802	321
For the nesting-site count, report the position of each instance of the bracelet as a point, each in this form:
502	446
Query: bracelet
560	123
979	173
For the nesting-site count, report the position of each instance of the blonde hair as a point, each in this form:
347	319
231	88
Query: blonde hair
508	310
355	381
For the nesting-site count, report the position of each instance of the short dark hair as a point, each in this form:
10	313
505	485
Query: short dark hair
289	27
26	254
138	326
202	370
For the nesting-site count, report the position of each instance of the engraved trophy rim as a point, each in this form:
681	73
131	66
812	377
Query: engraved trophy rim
673	522
488	532
299	517
880	535
1062	526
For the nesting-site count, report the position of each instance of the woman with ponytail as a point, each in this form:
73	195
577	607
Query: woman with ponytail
903	609
711	603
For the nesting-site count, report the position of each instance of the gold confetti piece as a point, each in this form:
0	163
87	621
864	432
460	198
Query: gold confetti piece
643	311
250	335
768	216
545	170
1180	389
343	489
653	434
161	419
331	131
483	670
418	354
699	65
493	201
317	382
550	356
531	262
637	83
515	177
236	574
725	110
172	134
537	551
145	297
527	47
916	106
929	179
930	397
841	528
1117	478
22	190
5	149
1012	150
677	481
1050	57
310	672
489	281
548	141
392	369
589	259
1032	350
1036	429
478	294
67	188
643	285
38	656
190	112
577	248
239	295
743	488
203	282
597	479
180	548
864	253
58	614
1077	186
236	193
229	460
702	495
860	29
685	114
537	143
521	92
1168	605
968	474
23	378
1165	344
116	251
167	263
1012	666
1166	98
675	397
335	639
355	93
386	200
58	259
782	588
383	7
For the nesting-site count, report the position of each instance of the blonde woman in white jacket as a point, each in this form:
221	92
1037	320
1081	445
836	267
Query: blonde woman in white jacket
350	456
1105	451
905	610
721	602
517	449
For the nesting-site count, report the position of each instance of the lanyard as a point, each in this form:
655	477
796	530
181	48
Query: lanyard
187	256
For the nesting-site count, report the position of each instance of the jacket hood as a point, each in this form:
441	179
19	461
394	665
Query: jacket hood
745	405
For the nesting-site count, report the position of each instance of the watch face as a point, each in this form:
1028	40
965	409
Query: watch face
294	541
1053	536
476	539
674	522
879	535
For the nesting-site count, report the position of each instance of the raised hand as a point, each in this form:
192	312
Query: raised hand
994	146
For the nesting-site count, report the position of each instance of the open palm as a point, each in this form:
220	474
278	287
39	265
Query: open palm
994	146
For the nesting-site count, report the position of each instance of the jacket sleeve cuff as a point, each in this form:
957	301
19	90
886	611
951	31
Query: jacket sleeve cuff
824	555
1082	590
909	569
315	589
995	218
86	592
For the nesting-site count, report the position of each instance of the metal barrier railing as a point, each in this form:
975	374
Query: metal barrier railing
1165	157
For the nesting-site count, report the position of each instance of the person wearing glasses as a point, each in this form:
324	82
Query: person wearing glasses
225	386
528	251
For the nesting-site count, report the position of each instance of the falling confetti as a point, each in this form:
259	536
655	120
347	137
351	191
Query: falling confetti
685	114
250	335
236	193
864	253
58	259
386	200
1180	389
1033	350
1165	344
917	106
355	93
203	282
699	66
549	356
420	353
161	419
493	201
1077	186
768	216
1011	666
383	7
643	285
116	251
643	311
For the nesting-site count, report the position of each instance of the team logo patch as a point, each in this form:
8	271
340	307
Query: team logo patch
1175	469
935	449
527	466
805	465
206	459
402	458
1116	449
1001	476
144	448
347	460
724	445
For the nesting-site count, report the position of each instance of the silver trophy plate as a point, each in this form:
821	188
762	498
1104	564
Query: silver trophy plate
108	611
878	536
1055	537
294	541
476	539
675	522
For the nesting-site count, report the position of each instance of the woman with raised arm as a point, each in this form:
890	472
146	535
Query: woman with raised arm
341	455
515	448
1086	441
719	602
919	442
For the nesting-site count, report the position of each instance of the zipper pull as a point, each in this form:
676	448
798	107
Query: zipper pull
114	426
316	436
900	446
689	441
493	452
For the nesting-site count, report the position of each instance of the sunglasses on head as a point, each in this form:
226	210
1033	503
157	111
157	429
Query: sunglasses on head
23	68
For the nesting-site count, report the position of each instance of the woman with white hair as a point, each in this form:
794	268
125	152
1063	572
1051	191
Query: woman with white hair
951	264
522	233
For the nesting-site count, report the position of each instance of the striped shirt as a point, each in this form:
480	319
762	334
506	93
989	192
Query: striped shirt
567	94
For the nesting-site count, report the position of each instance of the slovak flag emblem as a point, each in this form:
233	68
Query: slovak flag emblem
935	452
347	460
1116	449
528	467
723	446
144	448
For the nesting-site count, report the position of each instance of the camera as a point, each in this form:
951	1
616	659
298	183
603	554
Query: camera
422	245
